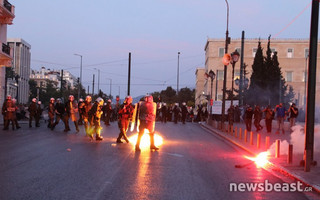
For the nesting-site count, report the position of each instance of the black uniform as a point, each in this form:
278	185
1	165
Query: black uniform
32	112
184	112
60	111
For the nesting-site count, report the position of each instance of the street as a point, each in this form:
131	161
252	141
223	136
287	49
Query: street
37	163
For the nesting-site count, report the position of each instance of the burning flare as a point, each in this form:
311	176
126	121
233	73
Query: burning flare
261	160
145	140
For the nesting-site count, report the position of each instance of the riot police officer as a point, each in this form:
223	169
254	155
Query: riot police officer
51	112
147	117
125	115
95	116
32	111
72	113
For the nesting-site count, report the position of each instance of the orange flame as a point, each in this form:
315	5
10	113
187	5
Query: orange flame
145	140
261	160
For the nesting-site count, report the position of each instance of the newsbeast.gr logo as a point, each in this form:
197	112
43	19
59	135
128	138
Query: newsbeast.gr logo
268	187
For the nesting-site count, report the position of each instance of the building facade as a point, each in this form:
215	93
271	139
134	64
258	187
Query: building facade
6	18
292	57
43	75
21	67
199	90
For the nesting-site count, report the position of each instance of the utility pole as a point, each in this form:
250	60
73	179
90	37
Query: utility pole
61	83
129	73
241	70
93	86
178	74
310	111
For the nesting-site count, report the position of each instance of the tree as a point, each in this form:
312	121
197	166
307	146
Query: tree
267	85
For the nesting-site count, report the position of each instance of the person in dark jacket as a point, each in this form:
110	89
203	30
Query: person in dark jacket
51	112
248	117
269	114
164	114
95	116
257	118
59	111
8	111
125	114
176	112
80	121
32	111
38	114
15	118
184	112
85	108
71	113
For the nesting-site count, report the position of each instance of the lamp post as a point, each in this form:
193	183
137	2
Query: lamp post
225	71
110	86
235	57
178	74
212	75
80	82
98	80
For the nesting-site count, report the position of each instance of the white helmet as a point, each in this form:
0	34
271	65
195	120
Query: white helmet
88	98
100	100
52	99
183	103
39	102
34	100
80	100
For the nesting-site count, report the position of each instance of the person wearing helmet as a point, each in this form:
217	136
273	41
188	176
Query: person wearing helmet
94	117
38	114
107	110
184	112
9	112
81	102
15	120
85	107
72	113
51	112
176	112
32	111
59	111
124	116
147	117
164	113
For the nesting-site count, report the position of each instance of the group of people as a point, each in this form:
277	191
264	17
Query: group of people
89	114
173	113
280	113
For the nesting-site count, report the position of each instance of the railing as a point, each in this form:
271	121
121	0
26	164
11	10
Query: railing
7	5
5	49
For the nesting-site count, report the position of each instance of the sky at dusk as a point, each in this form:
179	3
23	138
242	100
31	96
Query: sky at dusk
154	31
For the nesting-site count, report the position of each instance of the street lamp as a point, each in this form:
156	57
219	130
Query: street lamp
234	59
178	74
225	70
80	82
110	86
212	75
98	80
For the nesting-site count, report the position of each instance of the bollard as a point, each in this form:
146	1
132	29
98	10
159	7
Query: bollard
290	152
245	135
235	131
231	129
251	138
240	134
258	140
267	142
277	153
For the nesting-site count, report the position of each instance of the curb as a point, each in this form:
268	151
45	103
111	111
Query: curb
282	169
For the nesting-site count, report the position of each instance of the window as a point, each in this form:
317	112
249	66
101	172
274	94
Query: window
220	75
221	52
254	51
219	97
236	74
306	53
289	76
290	53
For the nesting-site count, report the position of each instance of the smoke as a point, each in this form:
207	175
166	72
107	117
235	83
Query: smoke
297	139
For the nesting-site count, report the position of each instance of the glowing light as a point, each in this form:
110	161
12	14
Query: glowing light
261	160
145	140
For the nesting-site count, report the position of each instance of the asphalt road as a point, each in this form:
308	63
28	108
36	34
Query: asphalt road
37	163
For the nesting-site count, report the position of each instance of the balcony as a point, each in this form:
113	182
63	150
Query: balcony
6	12
5	58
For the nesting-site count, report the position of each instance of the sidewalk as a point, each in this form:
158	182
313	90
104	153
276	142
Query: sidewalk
294	169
